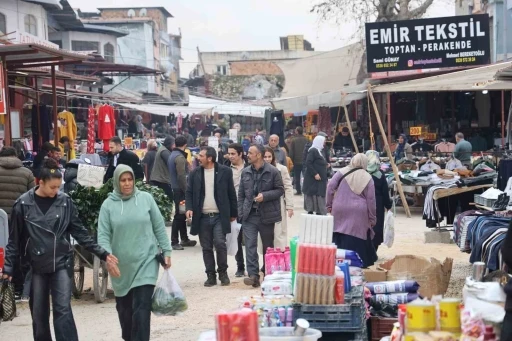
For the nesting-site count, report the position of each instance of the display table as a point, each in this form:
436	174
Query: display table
447	192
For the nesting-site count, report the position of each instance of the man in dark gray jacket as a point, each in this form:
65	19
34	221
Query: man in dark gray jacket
297	155
259	208
178	170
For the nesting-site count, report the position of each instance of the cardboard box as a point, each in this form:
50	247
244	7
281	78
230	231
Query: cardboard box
432	275
374	274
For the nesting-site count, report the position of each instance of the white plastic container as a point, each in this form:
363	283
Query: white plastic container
286	334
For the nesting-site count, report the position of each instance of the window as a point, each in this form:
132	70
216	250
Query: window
222	70
78	45
108	52
58	42
3	24
31	24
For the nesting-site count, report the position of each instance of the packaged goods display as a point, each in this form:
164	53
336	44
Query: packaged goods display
237	325
277	260
314	289
316	259
316	229
391	287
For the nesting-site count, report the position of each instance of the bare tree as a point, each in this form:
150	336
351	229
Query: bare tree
362	11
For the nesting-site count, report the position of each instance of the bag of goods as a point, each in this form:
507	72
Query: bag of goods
351	257
400	298
391	287
168	298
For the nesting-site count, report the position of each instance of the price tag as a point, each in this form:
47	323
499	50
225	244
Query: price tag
415	131
90	176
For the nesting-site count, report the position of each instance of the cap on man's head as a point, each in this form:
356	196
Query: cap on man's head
169	141
322	134
344	130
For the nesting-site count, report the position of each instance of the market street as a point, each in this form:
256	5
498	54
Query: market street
99	322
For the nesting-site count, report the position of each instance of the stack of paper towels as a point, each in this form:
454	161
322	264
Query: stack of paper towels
316	229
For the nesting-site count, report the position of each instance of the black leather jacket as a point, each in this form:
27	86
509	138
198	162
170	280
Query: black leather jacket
45	238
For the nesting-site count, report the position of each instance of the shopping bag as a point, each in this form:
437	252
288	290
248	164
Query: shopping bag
232	238
168	298
389	229
7	301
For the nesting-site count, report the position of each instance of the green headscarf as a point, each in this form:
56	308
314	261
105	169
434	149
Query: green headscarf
373	163
117	194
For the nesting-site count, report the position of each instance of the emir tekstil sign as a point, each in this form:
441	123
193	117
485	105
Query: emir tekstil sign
428	43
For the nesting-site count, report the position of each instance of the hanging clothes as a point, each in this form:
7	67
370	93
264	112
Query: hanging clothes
41	126
106	124
67	127
277	126
90	131
324	120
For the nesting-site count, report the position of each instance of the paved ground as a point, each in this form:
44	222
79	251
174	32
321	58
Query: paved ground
98	322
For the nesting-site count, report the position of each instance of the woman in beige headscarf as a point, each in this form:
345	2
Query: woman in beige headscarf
351	201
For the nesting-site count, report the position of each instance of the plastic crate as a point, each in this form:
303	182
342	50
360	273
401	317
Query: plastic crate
348	317
381	327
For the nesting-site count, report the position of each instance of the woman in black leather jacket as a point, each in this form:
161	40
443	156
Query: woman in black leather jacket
42	220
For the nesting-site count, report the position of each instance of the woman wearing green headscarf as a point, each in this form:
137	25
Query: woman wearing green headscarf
131	225
381	195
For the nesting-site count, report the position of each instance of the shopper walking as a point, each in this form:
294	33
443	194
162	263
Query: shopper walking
296	154
131	226
178	169
281	228
273	142
382	199
43	219
236	153
351	201
160	176
211	204
149	159
259	208
308	146
315	178
120	156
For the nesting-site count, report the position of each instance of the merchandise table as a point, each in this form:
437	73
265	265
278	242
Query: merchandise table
443	193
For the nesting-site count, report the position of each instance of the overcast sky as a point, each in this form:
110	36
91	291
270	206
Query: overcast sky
244	25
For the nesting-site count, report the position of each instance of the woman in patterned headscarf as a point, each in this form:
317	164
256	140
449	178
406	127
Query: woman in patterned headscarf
382	199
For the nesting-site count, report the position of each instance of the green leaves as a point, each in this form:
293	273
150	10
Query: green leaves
88	202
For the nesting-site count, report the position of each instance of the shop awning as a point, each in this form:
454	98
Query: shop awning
322	72
165	110
228	108
300	105
97	67
45	72
490	77
31	55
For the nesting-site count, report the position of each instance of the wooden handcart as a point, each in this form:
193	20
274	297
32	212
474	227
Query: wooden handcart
82	259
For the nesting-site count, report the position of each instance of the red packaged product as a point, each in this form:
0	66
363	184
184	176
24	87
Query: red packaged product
307	258
339	289
2	258
300	267
241	325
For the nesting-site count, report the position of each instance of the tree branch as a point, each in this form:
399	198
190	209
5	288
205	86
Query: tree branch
420	10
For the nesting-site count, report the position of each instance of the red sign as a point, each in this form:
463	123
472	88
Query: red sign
2	92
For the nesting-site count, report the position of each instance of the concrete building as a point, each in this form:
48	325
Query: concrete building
500	21
146	43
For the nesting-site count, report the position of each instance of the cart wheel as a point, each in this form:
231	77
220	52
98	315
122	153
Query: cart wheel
78	276
100	280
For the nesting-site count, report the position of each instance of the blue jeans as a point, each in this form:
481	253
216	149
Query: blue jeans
59	285
211	234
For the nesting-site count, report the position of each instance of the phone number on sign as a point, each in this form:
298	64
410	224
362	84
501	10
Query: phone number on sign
386	65
465	60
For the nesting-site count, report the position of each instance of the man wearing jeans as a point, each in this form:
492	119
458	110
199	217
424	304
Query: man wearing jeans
259	208
211	204
178	170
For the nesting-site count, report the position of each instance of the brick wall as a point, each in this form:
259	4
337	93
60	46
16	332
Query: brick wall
252	68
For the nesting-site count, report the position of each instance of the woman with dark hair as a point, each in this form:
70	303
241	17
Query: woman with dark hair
403	149
280	229
43	219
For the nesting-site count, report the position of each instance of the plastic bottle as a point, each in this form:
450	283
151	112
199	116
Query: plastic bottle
339	290
289	316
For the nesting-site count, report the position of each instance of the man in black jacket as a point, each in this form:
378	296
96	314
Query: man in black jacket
119	155
211	204
259	208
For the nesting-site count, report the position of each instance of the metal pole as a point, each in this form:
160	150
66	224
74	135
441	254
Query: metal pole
55	111
453	113
7	132
65	96
388	100
40	136
504	34
502	119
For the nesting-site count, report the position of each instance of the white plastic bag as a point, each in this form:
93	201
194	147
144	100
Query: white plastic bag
389	229
168	298
232	238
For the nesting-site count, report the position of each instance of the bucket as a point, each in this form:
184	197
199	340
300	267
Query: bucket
421	317
449	315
